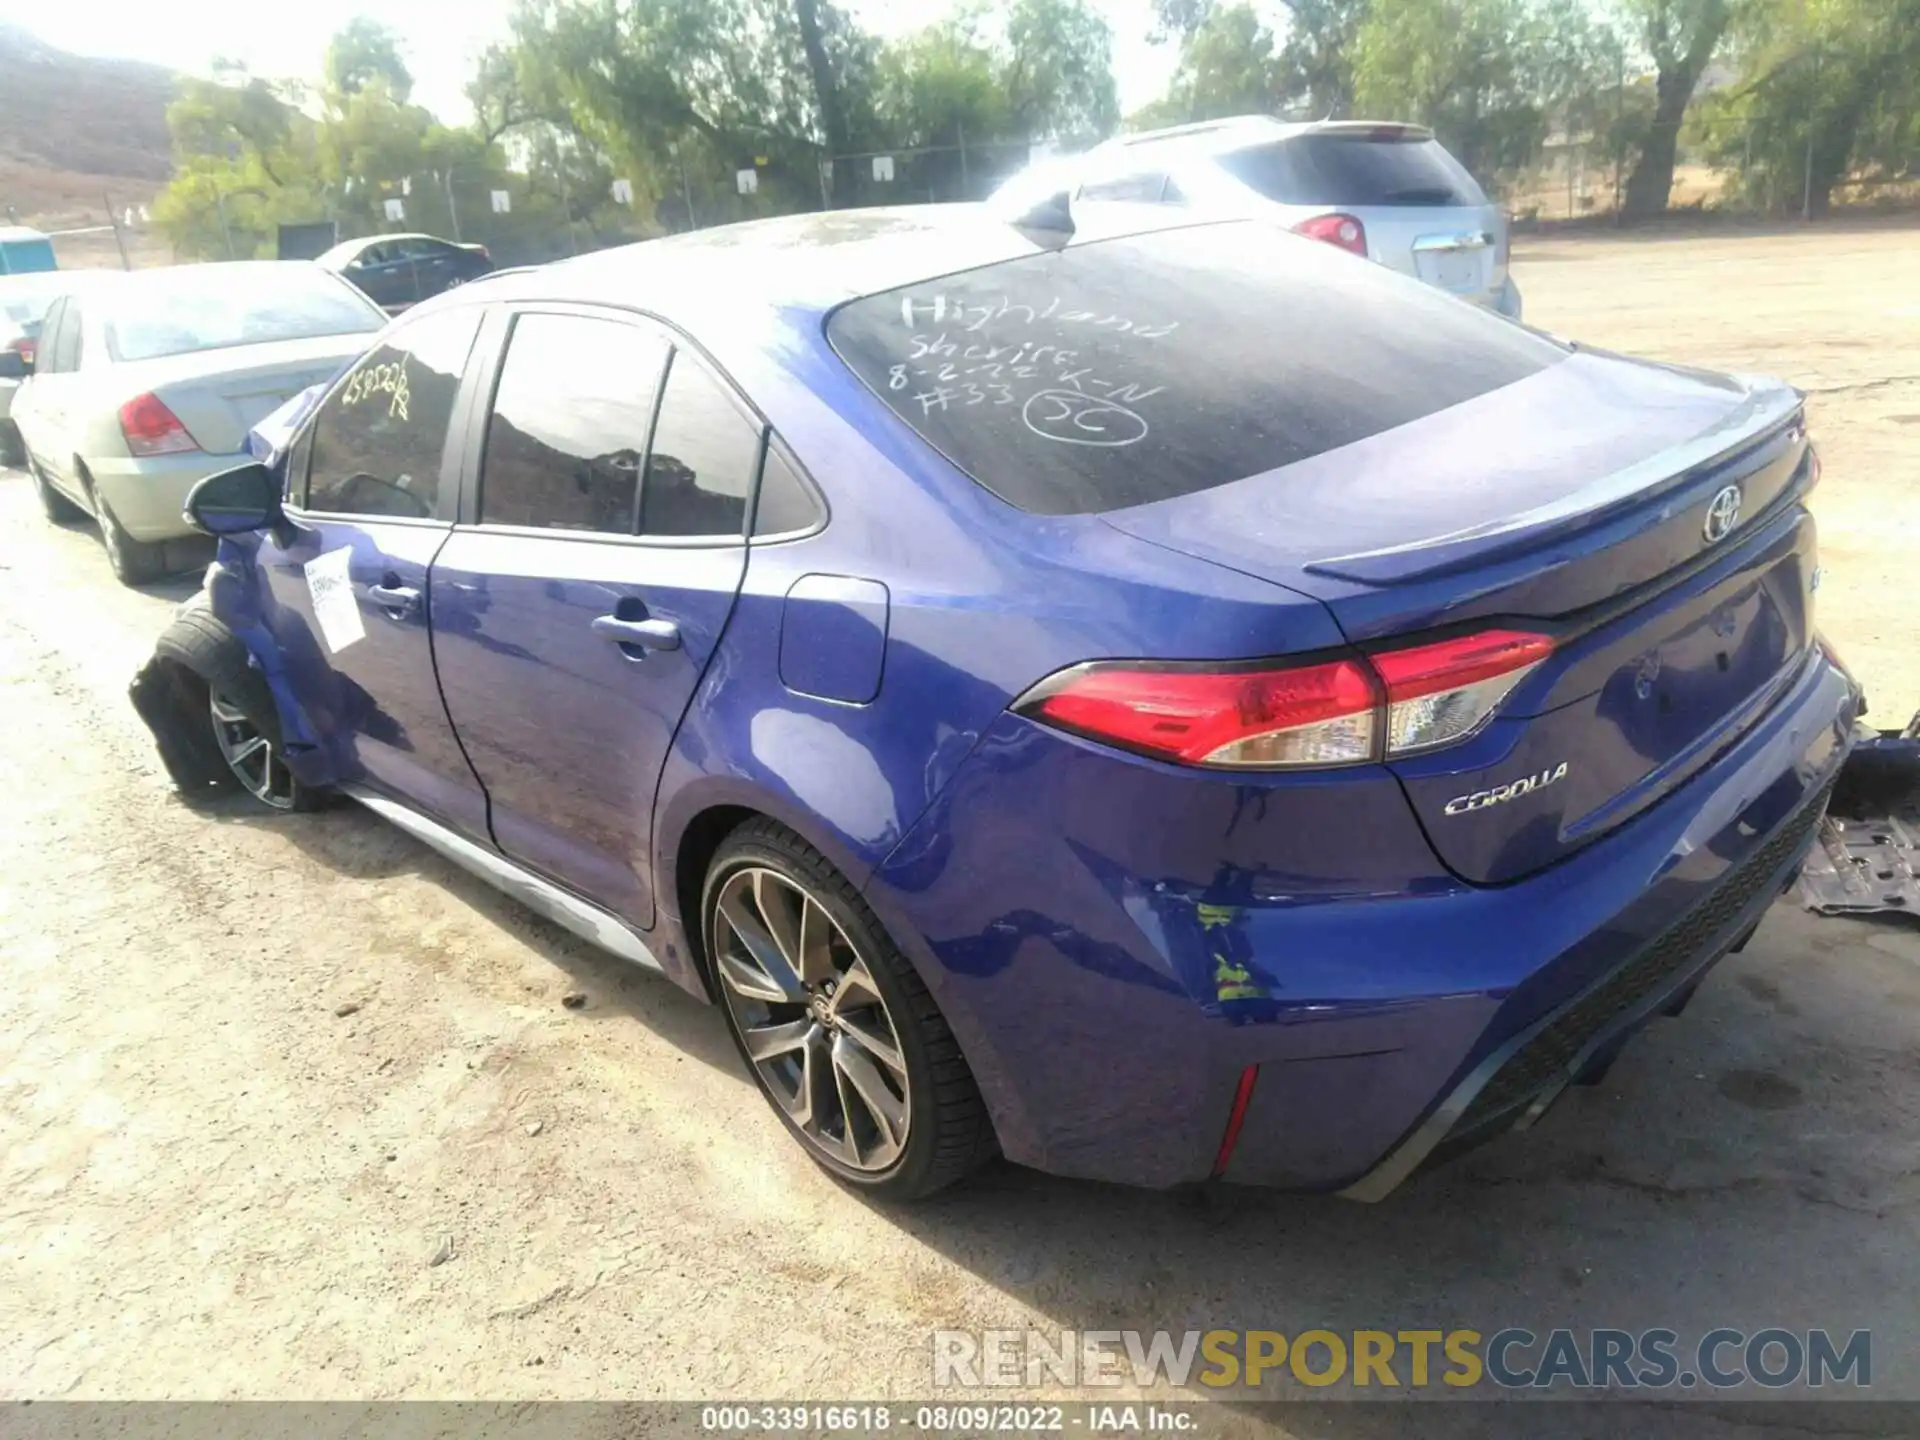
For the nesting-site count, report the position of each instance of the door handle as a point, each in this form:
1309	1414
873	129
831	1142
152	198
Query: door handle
396	600
646	634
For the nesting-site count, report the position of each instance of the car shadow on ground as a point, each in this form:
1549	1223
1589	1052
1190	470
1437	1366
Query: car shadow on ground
1753	1162
356	843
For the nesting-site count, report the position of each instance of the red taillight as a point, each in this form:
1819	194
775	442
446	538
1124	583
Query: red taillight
152	429
1336	712
1309	715
1343	231
22	346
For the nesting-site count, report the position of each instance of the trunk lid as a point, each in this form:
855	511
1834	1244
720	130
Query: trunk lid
219	395
1575	502
1453	248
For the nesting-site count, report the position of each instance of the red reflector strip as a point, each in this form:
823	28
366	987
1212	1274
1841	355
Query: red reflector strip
1242	1098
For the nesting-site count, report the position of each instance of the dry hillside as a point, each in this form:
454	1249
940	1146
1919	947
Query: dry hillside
74	128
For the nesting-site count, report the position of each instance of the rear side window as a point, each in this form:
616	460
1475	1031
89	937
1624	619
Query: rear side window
568	433
705	452
378	438
1129	371
786	505
1335	168
46	358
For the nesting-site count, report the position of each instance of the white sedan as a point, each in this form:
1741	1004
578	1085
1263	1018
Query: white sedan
142	384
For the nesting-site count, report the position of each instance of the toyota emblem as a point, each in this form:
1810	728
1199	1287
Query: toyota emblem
1723	511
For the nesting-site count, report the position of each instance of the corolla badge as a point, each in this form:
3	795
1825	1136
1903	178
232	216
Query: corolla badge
1722	513
1500	794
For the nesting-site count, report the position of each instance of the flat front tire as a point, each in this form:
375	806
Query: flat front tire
236	705
833	1023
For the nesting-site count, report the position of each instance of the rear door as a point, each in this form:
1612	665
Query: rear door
432	263
372	489
384	274
580	599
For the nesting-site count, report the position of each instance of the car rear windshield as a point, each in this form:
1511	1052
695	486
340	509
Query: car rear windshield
209	307
1386	167
1129	371
25	300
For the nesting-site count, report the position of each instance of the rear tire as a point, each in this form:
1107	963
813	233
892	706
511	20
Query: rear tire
837	1015
134	562
13	450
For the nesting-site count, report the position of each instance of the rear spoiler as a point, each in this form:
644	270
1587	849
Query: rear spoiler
1768	405
1373	129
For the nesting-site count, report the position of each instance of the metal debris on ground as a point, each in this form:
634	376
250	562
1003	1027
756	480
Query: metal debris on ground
1867	860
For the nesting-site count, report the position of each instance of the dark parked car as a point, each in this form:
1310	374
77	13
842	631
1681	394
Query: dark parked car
1171	704
401	270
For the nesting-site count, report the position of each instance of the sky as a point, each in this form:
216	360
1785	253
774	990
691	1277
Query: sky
441	38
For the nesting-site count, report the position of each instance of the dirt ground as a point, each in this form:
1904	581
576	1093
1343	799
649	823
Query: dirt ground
289	1108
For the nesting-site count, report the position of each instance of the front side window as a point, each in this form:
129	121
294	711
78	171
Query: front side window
379	438
568	433
1122	372
705	452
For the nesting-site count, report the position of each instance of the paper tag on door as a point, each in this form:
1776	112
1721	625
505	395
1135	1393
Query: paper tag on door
331	588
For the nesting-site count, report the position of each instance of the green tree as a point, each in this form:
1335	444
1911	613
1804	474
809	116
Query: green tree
1489	76
1680	36
1832	93
1229	65
940	85
1058	71
365	53
1316	59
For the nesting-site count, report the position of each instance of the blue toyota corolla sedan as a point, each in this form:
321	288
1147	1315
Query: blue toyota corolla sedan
1161	705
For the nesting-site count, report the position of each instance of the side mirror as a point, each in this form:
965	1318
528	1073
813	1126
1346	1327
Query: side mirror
235	501
14	365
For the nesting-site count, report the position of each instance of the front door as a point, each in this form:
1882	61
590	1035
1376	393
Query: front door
40	408
350	593
575	615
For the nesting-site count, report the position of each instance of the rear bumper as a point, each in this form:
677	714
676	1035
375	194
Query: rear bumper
1511	1087
147	496
8	389
1109	1029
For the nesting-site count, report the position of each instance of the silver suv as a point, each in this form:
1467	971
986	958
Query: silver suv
1387	191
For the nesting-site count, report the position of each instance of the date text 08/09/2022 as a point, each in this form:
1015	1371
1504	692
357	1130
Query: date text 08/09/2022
959	1419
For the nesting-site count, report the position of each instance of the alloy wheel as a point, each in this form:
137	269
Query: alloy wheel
811	1019
254	759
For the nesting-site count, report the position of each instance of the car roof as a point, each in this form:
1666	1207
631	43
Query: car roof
811	262
1236	132
347	249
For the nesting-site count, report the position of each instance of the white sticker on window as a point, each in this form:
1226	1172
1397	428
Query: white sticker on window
331	588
